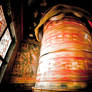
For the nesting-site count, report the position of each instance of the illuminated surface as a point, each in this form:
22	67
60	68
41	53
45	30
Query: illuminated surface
65	56
3	23
0	63
5	43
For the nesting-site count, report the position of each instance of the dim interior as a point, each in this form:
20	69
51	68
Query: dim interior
19	62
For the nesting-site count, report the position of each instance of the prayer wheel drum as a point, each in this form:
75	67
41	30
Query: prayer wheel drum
65	61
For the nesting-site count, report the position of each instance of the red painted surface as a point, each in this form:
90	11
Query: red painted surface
66	54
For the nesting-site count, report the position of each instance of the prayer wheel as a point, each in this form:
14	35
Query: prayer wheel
65	62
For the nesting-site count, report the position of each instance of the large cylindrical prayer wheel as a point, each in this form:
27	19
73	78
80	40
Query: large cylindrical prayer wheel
65	61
